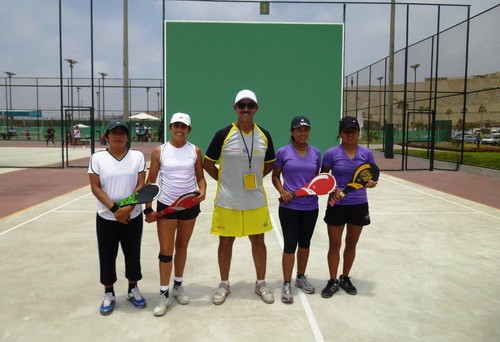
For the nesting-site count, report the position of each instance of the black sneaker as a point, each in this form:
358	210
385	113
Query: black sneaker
331	287
345	283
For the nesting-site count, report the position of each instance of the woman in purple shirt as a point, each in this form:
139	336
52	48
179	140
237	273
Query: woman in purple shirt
352	211
298	162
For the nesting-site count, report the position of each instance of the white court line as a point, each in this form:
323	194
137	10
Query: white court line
442	199
379	213
318	336
41	215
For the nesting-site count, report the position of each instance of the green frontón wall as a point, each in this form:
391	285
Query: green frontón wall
294	69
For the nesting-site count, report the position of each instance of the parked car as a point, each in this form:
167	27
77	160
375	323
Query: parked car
466	137
493	140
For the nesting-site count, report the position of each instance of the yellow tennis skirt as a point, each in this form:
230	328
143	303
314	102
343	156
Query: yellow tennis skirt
231	222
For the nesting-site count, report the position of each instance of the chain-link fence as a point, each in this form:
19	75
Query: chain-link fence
445	91
23	131
438	103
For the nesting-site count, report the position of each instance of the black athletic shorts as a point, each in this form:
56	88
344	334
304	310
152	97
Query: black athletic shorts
338	215
184	215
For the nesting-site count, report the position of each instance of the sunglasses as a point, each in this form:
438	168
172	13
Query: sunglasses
249	105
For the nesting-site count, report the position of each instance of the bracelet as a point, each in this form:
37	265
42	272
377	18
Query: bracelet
114	208
147	211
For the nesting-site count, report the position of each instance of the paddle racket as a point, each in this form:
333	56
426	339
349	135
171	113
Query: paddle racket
363	174
144	195
321	184
185	201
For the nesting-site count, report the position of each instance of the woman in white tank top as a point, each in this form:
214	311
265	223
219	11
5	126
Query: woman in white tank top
179	165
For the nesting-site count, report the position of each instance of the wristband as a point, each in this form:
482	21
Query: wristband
147	211
114	208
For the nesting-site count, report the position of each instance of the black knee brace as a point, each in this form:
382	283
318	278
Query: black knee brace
165	258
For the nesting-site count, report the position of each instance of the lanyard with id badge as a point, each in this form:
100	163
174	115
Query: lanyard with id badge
249	178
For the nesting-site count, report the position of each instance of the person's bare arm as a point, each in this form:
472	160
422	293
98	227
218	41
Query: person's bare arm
211	168
285	195
122	214
268	167
154	168
200	176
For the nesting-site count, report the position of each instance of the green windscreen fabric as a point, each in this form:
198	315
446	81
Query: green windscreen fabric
294	69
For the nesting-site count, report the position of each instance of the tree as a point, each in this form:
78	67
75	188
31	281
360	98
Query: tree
468	125
449	112
481	110
401	105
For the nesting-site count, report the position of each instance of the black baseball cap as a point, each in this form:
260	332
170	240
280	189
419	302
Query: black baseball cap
300	121
348	122
113	124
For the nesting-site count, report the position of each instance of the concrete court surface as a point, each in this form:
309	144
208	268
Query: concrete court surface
426	270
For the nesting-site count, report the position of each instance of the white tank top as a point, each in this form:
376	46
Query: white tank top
177	171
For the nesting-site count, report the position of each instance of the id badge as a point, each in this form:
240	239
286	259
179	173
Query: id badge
250	181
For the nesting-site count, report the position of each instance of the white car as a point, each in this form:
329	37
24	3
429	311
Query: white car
493	140
466	137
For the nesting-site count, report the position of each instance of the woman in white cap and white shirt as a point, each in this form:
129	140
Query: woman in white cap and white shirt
179	164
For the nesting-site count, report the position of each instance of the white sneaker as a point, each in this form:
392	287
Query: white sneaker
180	295
286	293
262	290
162	305
220	295
304	284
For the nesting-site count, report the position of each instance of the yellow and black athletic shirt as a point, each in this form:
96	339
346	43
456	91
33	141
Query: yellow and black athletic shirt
233	149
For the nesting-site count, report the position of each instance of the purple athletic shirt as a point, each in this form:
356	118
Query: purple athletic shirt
342	168
296	172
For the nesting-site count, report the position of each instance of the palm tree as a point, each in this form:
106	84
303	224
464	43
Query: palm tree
449	112
424	110
481	110
401	105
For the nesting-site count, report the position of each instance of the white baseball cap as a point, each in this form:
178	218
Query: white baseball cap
181	117
245	94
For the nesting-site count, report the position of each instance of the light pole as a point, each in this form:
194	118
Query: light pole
98	108
414	67
158	95
9	75
103	74
6	95
380	99
71	62
482	110
147	99
78	100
